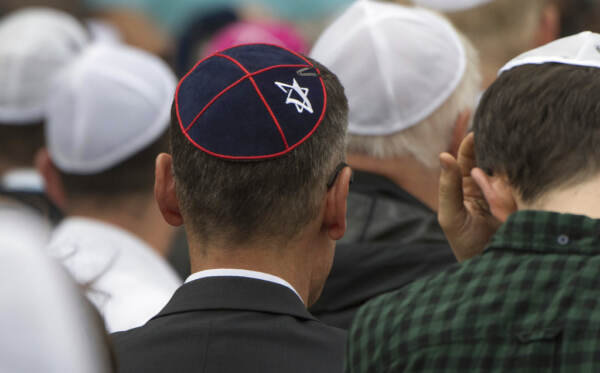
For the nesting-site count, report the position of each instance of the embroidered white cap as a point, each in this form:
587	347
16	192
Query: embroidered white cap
35	44
106	106
398	64
582	49
451	5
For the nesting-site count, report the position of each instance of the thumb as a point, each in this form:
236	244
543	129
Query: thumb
451	211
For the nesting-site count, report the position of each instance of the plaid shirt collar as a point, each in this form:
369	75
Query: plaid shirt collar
548	232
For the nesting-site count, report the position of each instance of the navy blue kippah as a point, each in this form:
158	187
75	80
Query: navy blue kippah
251	102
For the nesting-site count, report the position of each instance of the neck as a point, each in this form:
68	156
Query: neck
136	214
292	260
406	172
581	199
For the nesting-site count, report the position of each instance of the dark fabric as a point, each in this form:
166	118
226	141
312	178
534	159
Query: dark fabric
232	324
179	256
251	102
529	303
392	240
38	201
202	27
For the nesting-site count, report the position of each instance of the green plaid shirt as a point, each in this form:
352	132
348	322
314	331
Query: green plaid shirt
530	302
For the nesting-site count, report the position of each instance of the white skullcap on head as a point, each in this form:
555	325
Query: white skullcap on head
109	104
582	49
46	326
35	44
398	64
451	5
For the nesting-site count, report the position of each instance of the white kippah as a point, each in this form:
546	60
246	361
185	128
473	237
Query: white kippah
582	49
451	5
398	64
34	45
109	104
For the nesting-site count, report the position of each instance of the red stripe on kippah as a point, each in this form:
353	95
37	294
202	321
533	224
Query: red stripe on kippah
213	101
259	94
258	157
189	127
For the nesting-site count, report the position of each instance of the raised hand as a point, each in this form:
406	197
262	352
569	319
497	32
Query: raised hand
464	213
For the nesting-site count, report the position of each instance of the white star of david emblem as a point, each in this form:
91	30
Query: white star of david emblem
299	91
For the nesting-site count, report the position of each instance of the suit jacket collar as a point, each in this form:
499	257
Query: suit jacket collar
235	293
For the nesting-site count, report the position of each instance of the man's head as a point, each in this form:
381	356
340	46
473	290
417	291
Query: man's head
257	132
34	45
106	123
578	16
499	29
536	129
408	76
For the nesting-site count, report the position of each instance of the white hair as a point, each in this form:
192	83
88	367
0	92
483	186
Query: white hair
432	136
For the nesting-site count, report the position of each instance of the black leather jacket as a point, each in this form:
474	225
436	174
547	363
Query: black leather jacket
392	239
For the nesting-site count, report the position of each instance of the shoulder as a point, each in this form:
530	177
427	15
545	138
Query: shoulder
413	316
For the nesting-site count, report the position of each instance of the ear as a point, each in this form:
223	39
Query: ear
461	127
549	27
54	185
498	193
336	205
164	190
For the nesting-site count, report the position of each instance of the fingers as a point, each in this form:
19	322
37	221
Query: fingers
451	205
497	194
466	155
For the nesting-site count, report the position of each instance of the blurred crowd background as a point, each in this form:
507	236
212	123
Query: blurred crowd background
182	32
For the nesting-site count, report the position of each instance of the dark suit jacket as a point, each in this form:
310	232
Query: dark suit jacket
231	324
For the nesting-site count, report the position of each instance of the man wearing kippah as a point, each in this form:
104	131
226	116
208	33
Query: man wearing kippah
412	82
526	295
106	122
257	176
35	44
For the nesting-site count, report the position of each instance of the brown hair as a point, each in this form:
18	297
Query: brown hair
20	143
539	125
132	176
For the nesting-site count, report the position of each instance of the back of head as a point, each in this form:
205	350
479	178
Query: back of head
256	132
107	119
35	44
408	75
538	122
46	324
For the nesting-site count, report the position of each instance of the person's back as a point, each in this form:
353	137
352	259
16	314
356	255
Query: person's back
47	326
410	97
257	178
507	310
106	123
234	324
528	301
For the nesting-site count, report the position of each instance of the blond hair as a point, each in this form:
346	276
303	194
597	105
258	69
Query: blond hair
432	136
500	29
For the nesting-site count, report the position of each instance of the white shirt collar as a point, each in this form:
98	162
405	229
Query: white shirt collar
22	179
228	272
